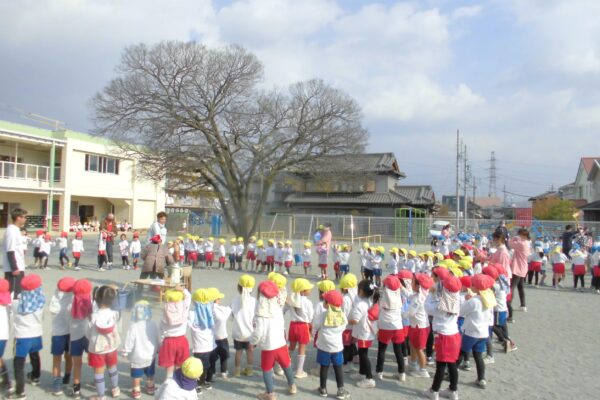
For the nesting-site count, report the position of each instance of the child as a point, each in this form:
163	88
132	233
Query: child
251	254
280	281
336	249
261	256
221	254
140	347
231	253
306	257
390	326
501	290
201	321
77	249
5	300
535	265
208	252
578	258
175	348
222	314
124	249
182	385
392	265
301	315
45	249
279	256
322	256
411	262
376	262
102	260
270	254
25	240
288	256
444	307
62	242
239	253
37	242
363	327
135	249
558	260
270	336
344	256
81	309
595	263
419	325
104	341
328	327
242	310
348	286
364	258
60	308
28	314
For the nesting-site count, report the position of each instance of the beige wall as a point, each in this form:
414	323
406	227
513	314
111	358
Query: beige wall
30	202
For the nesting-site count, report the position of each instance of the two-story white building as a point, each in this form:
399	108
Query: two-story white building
68	176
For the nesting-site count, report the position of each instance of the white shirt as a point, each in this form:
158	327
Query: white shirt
181	329
208	247
392	265
363	330
170	390
390	320
322	256
46	247
269	333
25	242
101	315
124	248
203	340
344	258
222	252
443	323
501	305
221	314
239	249
304	313
476	323
78	328
77	246
306	255
4	322
61	242
135	247
270	251
416	313
329	338
141	343
288	254
13	242
27	325
348	304
60	308
243	317
559	258
157	229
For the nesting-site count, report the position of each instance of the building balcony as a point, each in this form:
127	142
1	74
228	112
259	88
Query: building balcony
26	176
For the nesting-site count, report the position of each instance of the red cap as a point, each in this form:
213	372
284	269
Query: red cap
136	234
491	270
31	282
334	298
391	282
78	235
268	289
4	286
156	239
404	274
482	282
424	280
467	246
64	234
39	232
465	280
440	272
82	286
66	284
452	283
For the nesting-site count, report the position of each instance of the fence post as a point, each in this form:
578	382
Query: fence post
310	227
369	227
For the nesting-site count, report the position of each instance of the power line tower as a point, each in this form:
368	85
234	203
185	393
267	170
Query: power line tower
492	187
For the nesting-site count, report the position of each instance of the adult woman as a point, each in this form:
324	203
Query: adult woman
521	245
158	227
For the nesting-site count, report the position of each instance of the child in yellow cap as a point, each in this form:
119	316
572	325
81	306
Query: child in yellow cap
242	308
301	315
209	252
175	348
182	385
348	286
322	252
344	256
288	256
221	254
261	256
279	256
222	314
201	321
306	257
251	254
239	252
270	254
231	253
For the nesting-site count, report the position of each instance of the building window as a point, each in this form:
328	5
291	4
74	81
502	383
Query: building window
104	165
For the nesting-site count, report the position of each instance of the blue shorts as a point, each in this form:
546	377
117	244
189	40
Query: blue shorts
473	344
148	371
345	268
79	346
23	347
460	322
136	255
377	272
326	359
2	347
500	318
60	345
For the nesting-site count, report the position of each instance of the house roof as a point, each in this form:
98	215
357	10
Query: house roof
588	163
378	163
545	195
417	195
591	206
28	130
388	199
595	168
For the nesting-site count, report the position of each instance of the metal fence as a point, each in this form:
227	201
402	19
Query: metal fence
358	229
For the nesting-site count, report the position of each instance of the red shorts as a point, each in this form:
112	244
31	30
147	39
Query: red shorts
364	344
447	347
209	256
269	357
596	271
395	336
173	352
288	264
558	268
251	255
347	337
323	266
306	264
193	256
299	332
270	259
578	269
76	254
447	256
102	360
417	337
406	330
336	267
101	252
221	260
535	266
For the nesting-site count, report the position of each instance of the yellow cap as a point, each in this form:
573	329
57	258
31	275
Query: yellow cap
260	243
380	249
412	253
301	284
271	241
394	250
439	256
222	241
280	242
233	240
246	281
345	247
307	244
211	238
201	296
214	294
465	264
365	245
252	238
459	252
179	237
192	368
429	254
288	242
403	251
170	242
456	271
348	281
173	296
468	258
448	263
240	239
278	279
325	285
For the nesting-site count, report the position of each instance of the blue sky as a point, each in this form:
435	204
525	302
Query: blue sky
519	77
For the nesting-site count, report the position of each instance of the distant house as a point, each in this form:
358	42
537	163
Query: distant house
583	188
359	184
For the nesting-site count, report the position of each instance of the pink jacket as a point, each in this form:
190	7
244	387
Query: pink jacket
522	250
502	257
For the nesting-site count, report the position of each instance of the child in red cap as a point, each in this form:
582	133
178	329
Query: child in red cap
45	249
77	249
28	312
37	242
363	328
135	248
62	242
419	325
390	326
4	331
81	309
60	308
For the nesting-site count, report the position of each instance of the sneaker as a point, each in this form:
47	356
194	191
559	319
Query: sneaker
488	360
101	269
76	394
77	269
322	392
379	376
278	370
430	361
512	347
342	394
18	396
57	387
292	389
349	368
247	371
482	384
150	388
401	377
422	373
136	394
198	390
431	395
300	375
207	386
465	366
448	394
366	384
115	392
237	372
524	309
32	381
266	396
357	377
224	376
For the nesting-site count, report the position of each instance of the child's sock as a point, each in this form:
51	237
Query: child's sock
100	385
301	359
114	376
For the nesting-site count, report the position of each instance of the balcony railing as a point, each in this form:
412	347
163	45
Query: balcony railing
30	172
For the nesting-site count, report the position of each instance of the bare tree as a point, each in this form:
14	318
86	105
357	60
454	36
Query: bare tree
198	115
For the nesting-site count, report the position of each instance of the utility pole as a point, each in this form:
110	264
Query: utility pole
465	185
492	187
457	179
504	191
474	187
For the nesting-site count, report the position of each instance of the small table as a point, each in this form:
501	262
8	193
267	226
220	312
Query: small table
162	284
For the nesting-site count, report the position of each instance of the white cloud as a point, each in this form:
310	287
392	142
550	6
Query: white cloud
466	12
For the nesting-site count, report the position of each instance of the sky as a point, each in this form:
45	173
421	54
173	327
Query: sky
517	77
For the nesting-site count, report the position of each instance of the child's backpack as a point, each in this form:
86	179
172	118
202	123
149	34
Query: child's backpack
175	313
